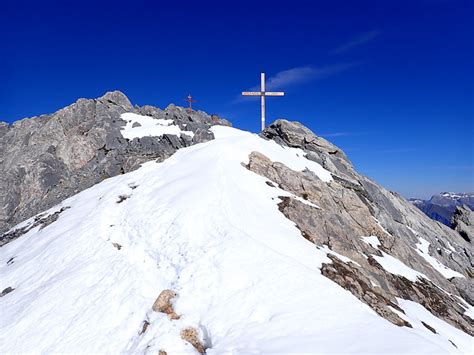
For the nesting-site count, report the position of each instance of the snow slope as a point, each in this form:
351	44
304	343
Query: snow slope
203	225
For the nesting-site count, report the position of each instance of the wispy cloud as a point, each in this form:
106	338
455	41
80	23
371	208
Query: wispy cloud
361	39
299	75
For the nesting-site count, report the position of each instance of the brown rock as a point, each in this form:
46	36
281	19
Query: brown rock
191	336
347	276
144	327
164	304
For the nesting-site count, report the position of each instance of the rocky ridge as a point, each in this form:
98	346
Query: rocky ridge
49	158
358	222
342	212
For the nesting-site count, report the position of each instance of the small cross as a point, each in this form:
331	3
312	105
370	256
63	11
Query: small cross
262	93
190	100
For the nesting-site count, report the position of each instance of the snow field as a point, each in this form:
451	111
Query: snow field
201	224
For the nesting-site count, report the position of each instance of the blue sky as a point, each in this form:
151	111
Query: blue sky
390	82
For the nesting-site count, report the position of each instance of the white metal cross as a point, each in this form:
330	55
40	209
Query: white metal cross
262	93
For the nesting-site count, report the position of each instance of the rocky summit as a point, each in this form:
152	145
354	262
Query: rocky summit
168	231
48	158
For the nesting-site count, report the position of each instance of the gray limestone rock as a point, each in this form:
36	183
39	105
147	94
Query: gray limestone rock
294	134
4	127
463	222
333	215
118	98
339	213
48	158
202	135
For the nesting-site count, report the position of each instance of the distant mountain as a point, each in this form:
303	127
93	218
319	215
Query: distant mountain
441	207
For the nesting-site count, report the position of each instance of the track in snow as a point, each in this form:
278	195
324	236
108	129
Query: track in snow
201	224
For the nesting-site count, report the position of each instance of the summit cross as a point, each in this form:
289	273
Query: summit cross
262	93
190	101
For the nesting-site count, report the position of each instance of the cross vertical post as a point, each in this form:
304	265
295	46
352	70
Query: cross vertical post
262	93
262	98
190	101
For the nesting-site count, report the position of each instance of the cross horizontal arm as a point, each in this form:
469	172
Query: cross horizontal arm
251	93
274	93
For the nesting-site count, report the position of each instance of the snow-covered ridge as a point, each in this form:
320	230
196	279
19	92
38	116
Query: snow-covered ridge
457	196
203	225
248	142
138	126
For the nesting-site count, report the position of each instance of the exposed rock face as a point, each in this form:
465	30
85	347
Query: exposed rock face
4	127
463	222
41	220
352	206
46	159
349	277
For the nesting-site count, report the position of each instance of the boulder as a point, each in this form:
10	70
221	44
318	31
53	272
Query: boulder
6	291
191	335
164	303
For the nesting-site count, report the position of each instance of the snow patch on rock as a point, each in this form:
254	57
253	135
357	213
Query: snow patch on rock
372	240
396	267
343	258
138	126
423	250
294	158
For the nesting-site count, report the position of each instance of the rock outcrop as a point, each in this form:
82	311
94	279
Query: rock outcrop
463	222
164	304
48	158
339	214
191	335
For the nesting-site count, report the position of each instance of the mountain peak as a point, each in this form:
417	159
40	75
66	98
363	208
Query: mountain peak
118	98
76	147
